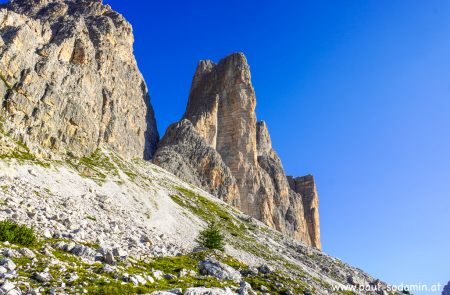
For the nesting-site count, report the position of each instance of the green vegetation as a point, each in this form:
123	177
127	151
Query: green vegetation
236	231
124	167
100	165
238	234
92	279
96	166
91	218
211	237
20	152
115	288
16	234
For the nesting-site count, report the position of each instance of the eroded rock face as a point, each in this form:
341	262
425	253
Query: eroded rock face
69	79
185	153
306	187
221	109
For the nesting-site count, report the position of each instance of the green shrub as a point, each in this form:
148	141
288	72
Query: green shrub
211	237
16	234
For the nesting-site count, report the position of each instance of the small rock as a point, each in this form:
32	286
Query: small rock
83	251
265	269
145	239
69	247
10	253
47	234
7	287
355	281
169	276
245	289
73	277
9	275
108	269
150	279
43	277
158	275
186	272
109	258
251	271
118	252
207	291
3	270
27	253
138	280
134	280
8	264
176	291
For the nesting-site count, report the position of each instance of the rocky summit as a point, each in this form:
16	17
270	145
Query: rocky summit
69	79
232	155
84	211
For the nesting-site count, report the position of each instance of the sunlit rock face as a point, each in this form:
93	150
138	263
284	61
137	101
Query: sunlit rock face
69	79
306	187
221	109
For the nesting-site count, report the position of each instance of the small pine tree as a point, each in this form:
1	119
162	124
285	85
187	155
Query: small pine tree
211	237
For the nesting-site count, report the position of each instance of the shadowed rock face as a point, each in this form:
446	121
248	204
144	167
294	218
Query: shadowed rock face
69	79
186	154
221	109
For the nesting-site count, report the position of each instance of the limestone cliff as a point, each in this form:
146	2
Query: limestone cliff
306	187
221	109
69	79
184	152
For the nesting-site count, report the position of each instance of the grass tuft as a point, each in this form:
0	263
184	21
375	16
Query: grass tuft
17	234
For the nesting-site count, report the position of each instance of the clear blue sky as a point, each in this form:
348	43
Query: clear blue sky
355	92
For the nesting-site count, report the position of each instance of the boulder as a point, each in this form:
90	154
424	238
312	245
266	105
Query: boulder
212	267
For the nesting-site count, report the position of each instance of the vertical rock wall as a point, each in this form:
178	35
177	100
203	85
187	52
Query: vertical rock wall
69	79
306	187
221	108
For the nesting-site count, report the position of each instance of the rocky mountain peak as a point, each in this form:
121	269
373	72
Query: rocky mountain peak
221	109
52	9
70	82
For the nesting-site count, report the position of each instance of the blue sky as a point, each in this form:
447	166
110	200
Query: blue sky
355	92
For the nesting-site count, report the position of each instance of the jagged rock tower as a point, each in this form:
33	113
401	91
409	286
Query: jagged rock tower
220	146
69	79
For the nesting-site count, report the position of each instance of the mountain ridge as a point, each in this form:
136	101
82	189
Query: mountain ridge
76	132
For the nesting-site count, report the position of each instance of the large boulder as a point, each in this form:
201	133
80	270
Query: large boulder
212	267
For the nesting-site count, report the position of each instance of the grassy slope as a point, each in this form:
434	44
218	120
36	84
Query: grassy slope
242	233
